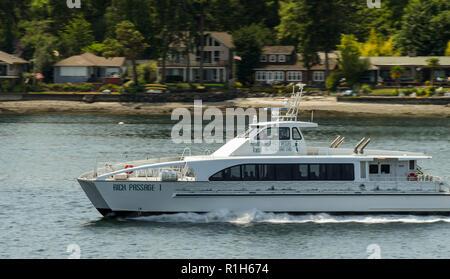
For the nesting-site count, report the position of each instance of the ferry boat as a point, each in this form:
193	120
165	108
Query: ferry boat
271	168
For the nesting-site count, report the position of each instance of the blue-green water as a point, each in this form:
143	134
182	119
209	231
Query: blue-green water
43	209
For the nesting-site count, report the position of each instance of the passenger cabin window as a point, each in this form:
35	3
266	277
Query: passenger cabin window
286	172
373	169
385	169
411	165
296	134
285	133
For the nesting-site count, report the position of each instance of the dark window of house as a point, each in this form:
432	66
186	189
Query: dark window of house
411	165
249	172
296	134
285	133
373	169
385	169
267	172
3	70
216	56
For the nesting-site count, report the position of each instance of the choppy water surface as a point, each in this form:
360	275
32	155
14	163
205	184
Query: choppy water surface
43	210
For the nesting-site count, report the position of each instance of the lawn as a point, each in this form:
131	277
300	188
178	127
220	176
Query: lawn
383	92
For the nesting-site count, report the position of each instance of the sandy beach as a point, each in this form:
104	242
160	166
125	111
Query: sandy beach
322	107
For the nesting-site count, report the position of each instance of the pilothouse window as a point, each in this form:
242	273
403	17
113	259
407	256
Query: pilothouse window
296	134
285	133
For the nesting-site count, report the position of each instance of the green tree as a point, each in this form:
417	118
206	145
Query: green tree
142	13
376	45
313	26
351	66
42	46
433	64
396	73
76	35
425	28
248	42
128	42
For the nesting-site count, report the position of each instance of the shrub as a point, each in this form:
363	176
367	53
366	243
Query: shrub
145	70
111	87
333	81
85	87
130	88
422	92
366	89
18	89
5	86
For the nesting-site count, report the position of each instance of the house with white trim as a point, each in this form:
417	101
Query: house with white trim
217	61
282	64
12	67
89	67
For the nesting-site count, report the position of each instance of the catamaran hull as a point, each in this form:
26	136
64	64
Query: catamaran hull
117	198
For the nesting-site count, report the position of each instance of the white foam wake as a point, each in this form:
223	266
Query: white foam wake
256	216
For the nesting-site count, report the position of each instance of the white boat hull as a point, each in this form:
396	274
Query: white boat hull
149	198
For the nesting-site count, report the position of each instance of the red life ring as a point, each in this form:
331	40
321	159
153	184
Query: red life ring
412	177
129	166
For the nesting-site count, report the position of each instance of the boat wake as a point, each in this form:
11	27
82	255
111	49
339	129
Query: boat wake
256	216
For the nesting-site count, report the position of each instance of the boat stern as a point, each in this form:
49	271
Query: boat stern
94	196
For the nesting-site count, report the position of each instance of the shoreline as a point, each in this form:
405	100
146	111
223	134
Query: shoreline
322	107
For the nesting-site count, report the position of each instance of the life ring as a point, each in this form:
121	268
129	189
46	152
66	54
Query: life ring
412	177
129	166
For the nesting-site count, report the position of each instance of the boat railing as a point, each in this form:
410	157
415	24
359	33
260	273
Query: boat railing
109	167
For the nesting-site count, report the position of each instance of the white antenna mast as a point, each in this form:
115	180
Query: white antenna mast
295	106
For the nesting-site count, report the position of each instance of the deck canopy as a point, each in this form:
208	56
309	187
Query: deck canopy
300	124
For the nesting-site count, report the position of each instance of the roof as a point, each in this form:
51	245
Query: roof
89	60
278	50
224	37
298	66
406	60
11	59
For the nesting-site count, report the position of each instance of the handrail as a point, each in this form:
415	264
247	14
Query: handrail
150	166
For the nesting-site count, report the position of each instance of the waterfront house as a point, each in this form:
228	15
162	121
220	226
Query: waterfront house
12	67
282	64
217	60
89	67
416	70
